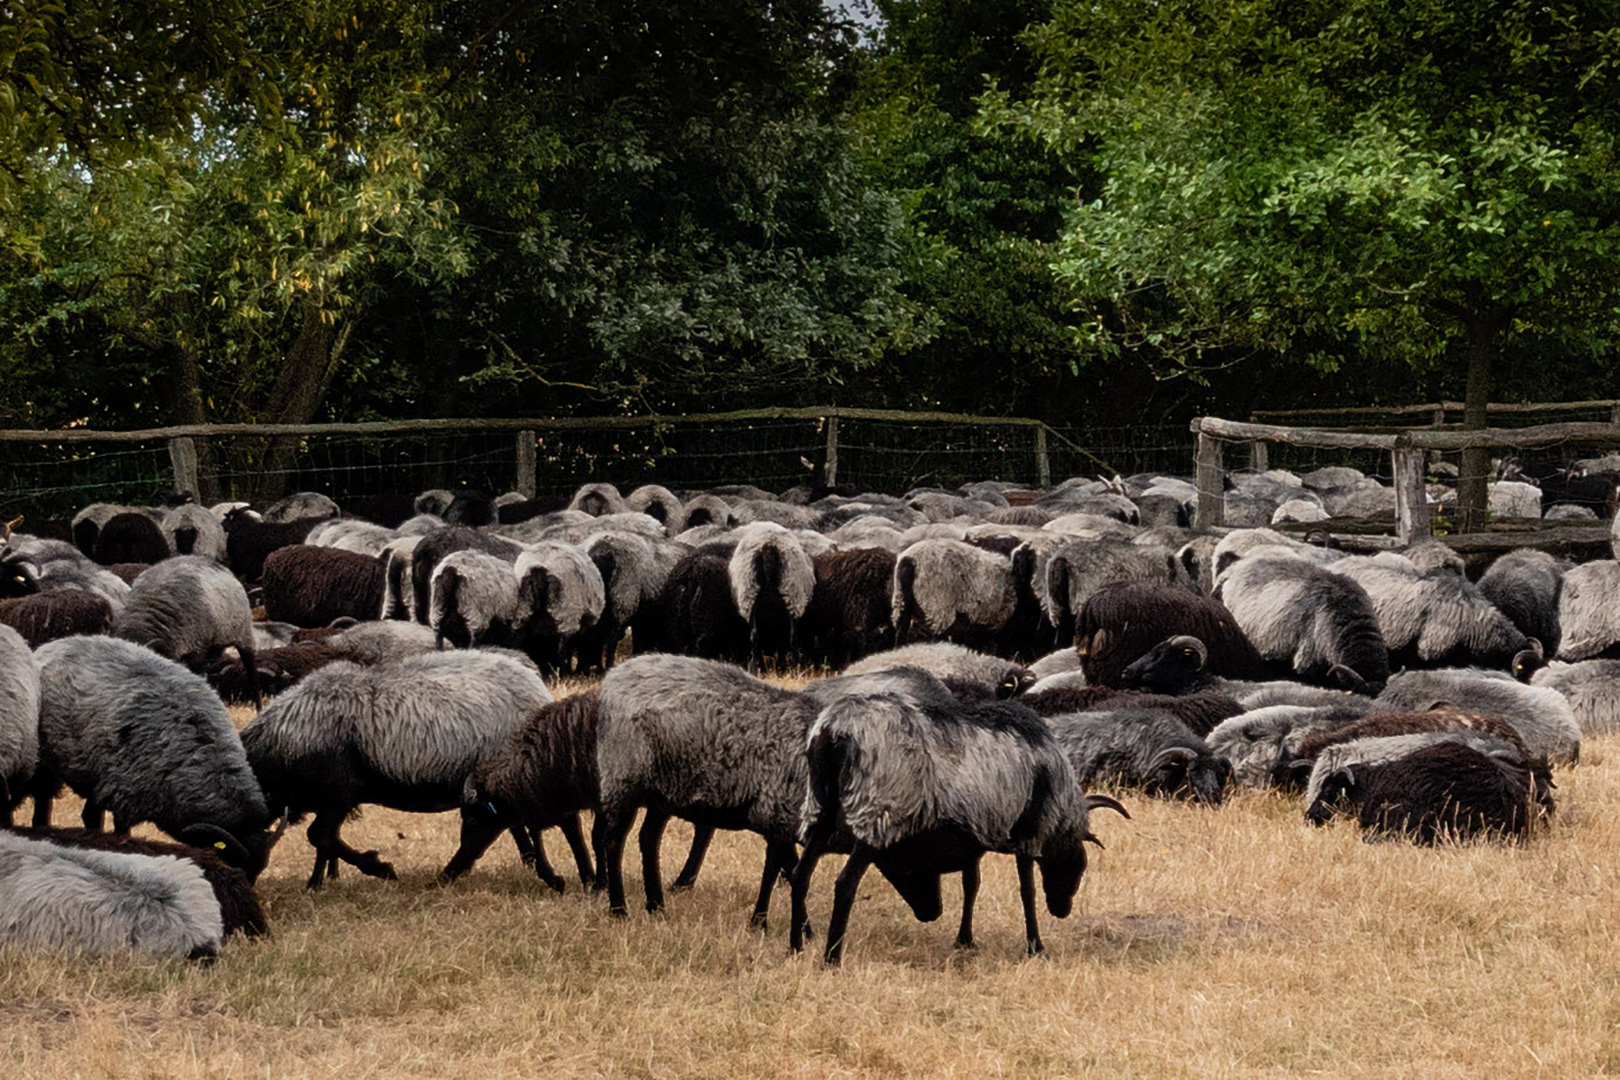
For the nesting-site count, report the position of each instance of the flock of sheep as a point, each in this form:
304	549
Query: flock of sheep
995	653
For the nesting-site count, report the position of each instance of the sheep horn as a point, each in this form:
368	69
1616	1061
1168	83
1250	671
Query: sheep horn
207	835
1107	802
1184	754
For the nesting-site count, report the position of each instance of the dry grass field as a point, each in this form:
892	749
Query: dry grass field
1237	942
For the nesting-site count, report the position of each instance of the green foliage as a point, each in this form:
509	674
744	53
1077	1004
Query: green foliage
1320	179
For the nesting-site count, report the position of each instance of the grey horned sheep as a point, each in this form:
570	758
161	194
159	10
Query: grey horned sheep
19	720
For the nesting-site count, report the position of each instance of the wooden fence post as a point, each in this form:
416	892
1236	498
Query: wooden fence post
1210	480
830	472
183	456
1259	456
1043	463
525	463
1412	517
1614	414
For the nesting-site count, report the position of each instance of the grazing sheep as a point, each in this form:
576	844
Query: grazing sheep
1541	716
1589	612
248	541
660	504
438	543
474	600
239	908
309	585
404	734
59	613
19	720
695	614
274	670
29	565
1144	748
140	736
131	537
1309	622
57	896
849	615
708	510
923	784
399	597
87	523
633	570
1079	569
378	642
1437	619
1592	688
772	579
1524	585
1255	742
192	530
598	499
953	590
189	609
304	504
1122	622
951	663
1441	791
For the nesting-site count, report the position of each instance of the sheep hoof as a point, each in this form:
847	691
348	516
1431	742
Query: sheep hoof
966	944
1036	950
618	913
555	884
682	884
756	920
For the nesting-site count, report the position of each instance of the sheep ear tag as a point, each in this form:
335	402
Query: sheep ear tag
219	845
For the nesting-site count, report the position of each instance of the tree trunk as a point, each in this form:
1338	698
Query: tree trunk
1484	332
300	387
183	390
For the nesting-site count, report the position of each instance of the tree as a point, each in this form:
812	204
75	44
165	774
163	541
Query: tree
1422	179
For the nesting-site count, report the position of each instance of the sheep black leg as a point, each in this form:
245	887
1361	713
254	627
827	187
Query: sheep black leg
252	672
780	858
575	835
598	842
815	846
542	866
42	808
93	817
477	834
701	835
615	827
970	892
849	880
1026	892
651	835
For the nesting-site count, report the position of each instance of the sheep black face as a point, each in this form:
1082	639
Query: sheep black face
1015	682
1529	661
918	888
1179	769
1339	789
1061	871
249	853
18	579
1170	667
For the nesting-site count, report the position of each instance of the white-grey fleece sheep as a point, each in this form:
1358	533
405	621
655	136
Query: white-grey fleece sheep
1592	688
1239	543
19	720
1079	569
1371	752
55	564
560	591
1256	741
1313	624
347	534
140	736
946	660
1056	663
1436	619
795	579
923	784
399	598
473	599
404	734
869	530
951	587
74	899
1589	611
193	530
188	608
375	642
302	504
1541	716
659	503
598	499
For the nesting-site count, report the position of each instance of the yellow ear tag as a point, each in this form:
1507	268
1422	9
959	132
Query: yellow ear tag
219	845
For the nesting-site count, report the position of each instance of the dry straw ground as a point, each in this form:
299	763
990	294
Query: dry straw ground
1237	942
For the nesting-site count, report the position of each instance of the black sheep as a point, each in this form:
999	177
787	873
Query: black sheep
1445	791
699	617
312	586
1122	622
849	614
1296	770
131	538
249	541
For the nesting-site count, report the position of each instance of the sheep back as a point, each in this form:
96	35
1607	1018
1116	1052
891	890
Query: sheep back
309	586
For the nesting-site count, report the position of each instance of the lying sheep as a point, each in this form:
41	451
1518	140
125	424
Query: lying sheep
30	566
1541	716
1324	791
954	663
1592	688
923	784
19	720
140	736
57	896
1439	792
1142	748
308	585
1525	586
1124	621
1201	712
1588	613
404	734
56	614
1315	625
1296	769
1255	742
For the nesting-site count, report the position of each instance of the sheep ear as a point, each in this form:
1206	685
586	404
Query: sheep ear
160	647
1106	802
209	836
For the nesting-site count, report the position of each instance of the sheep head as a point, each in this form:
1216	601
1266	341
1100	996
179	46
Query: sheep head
1170	667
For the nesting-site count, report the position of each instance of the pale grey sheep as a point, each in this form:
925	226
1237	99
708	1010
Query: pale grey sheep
1438	619
1084	526
1541	716
1240	543
139	736
560	594
304	504
474	600
919	784
1431	555
376	642
192	530
404	734
420	525
1077	570
399	598
948	661
1055	663
660	504
1515	499
1143	748
1589	611
951	589
1592	688
62	897
707	509
1315	625
348	534
29	564
19	720
188	608
867	531
772	580
1255	742
598	499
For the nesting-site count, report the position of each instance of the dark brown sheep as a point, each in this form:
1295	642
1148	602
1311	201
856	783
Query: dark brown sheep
56	614
849	615
1122	622
312	586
